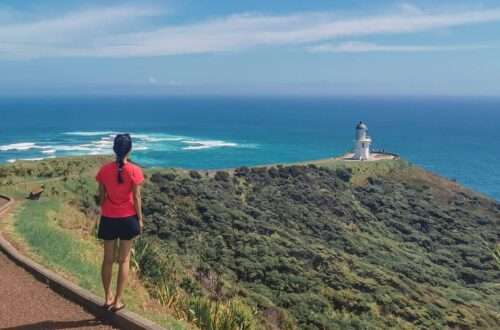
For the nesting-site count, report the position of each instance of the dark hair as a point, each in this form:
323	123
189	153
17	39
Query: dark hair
121	146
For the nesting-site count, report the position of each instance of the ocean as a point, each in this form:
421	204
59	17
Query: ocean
458	138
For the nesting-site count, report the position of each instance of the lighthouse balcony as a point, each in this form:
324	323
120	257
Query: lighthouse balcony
365	139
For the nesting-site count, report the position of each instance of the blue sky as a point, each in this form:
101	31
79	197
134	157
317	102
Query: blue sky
250	47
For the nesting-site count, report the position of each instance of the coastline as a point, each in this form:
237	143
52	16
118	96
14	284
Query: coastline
330	162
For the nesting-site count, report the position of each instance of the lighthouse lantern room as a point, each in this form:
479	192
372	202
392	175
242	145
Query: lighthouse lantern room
362	144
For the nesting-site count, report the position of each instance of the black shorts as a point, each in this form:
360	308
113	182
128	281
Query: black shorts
122	228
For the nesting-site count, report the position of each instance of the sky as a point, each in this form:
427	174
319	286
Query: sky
268	47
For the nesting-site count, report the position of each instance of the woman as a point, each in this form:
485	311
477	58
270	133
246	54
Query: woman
121	216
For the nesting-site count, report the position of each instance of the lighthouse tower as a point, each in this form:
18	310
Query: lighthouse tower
362	144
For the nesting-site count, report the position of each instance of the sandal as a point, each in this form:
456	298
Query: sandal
107	305
116	309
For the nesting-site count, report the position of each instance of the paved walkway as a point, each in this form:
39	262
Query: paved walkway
28	304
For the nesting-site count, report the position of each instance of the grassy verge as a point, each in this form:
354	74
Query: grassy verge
36	227
58	249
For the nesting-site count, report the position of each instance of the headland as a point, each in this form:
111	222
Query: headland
316	244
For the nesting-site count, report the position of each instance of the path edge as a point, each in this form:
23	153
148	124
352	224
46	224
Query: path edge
123	319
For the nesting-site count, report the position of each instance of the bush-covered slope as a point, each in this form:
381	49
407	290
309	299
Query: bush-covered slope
398	247
327	246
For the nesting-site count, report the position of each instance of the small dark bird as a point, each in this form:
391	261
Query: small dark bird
35	194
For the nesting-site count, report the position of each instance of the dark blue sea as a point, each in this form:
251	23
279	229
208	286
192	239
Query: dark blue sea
458	138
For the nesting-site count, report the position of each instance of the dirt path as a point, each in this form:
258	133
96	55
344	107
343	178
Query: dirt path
26	303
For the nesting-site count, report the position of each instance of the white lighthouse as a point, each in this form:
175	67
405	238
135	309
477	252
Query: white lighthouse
362	144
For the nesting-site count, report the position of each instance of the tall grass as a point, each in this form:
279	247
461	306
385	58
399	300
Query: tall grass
216	315
208	311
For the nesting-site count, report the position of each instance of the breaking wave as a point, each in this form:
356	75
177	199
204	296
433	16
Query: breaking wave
91	133
101	143
18	146
207	144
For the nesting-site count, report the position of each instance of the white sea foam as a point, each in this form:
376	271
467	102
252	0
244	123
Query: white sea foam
63	147
32	159
163	139
22	146
101	143
158	137
29	159
100	152
90	133
207	144
17	146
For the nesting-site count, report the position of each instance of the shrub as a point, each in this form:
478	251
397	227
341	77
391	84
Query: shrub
195	175
344	174
221	176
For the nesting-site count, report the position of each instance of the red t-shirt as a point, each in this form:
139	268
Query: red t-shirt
119	201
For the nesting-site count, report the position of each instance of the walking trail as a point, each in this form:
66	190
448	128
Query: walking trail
26	303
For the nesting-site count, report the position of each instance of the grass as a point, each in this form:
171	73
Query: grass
57	248
362	170
36	227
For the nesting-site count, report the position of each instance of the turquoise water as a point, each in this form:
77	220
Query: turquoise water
457	138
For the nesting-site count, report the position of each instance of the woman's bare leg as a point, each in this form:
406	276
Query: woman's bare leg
107	269
123	262
115	258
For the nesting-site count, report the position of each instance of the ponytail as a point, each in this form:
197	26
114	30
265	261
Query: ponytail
121	146
120	163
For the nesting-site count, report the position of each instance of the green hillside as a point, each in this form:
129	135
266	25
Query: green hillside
331	245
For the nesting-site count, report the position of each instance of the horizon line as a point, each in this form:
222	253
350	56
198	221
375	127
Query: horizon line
242	95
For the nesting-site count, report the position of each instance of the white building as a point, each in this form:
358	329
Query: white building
362	144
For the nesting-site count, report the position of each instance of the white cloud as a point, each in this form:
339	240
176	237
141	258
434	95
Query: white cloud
64	27
367	47
108	32
69	34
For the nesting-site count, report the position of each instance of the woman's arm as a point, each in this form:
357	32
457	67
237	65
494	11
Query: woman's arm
102	193
138	204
